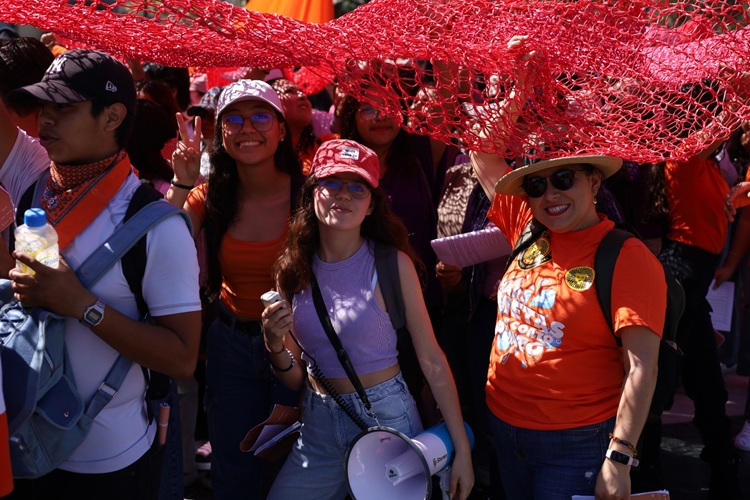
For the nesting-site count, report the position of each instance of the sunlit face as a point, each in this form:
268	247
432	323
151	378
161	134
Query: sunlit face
566	210
71	135
297	107
342	202
248	145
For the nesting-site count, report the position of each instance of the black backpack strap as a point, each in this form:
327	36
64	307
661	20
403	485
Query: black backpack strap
134	268
604	270
386	265
134	262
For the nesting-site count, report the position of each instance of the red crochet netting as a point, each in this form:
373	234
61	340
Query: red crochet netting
644	80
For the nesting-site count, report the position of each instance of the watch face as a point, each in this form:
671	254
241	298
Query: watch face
93	316
618	457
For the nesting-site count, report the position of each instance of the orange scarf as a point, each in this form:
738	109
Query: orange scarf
76	194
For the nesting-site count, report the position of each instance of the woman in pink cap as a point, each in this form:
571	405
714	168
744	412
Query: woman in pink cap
342	216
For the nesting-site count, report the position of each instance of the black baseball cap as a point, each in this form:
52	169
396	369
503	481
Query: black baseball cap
208	104
82	75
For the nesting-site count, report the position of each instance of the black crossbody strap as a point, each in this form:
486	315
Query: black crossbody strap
346	363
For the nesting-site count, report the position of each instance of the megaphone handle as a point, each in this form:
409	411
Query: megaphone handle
445	481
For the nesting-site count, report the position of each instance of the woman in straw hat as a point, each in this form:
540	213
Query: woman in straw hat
567	403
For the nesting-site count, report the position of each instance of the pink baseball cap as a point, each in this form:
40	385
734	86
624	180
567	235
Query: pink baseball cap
248	90
343	155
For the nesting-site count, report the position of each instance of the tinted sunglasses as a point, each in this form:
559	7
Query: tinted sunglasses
536	186
356	189
262	122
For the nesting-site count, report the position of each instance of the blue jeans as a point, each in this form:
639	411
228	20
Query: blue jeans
172	485
550	465
315	467
240	392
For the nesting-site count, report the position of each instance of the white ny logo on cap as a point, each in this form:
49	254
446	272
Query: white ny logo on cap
56	65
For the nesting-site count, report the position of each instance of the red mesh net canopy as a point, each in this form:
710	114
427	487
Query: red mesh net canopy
643	80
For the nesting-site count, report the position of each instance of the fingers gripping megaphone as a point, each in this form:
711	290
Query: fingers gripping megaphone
384	463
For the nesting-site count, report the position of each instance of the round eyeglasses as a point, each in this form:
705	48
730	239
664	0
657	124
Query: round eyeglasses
356	189
262	122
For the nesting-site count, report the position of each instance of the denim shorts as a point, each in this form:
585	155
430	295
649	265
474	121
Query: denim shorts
315	468
550	465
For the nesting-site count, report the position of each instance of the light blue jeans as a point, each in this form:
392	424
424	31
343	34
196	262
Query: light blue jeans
315	468
549	465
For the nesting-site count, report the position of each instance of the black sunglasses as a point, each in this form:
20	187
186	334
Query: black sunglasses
536	186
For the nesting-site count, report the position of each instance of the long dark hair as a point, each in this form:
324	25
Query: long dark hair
222	197
293	269
401	154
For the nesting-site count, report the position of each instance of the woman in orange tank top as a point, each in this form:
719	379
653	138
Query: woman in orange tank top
243	211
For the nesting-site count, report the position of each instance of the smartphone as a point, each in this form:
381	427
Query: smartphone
270	297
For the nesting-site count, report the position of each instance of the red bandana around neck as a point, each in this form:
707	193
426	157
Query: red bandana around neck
76	194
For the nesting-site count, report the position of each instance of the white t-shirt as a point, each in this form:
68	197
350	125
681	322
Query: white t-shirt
120	434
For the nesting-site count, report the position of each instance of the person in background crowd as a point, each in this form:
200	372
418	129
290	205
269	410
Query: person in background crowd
153	129
23	61
206	110
244	210
299	113
403	178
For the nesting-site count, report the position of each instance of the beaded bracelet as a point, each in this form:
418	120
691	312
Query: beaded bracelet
282	370
622	442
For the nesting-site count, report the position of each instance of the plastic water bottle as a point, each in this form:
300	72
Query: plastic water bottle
38	239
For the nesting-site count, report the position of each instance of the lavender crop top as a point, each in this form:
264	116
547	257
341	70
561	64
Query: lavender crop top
365	329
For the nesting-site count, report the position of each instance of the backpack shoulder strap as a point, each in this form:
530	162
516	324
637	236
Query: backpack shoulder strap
134	261
386	265
604	270
124	238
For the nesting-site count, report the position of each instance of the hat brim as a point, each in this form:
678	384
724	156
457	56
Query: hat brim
48	91
252	98
511	183
200	111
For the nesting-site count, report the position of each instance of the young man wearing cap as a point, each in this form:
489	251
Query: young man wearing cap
206	110
86	101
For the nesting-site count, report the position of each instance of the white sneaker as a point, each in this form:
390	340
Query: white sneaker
742	440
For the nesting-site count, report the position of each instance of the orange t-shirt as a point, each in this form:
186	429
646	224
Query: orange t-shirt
245	265
695	194
554	363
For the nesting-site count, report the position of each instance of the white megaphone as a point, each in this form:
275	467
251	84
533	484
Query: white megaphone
384	463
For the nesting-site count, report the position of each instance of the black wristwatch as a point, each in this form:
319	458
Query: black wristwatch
622	458
93	315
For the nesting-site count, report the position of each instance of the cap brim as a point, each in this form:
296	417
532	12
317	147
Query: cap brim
48	91
199	111
511	183
252	98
